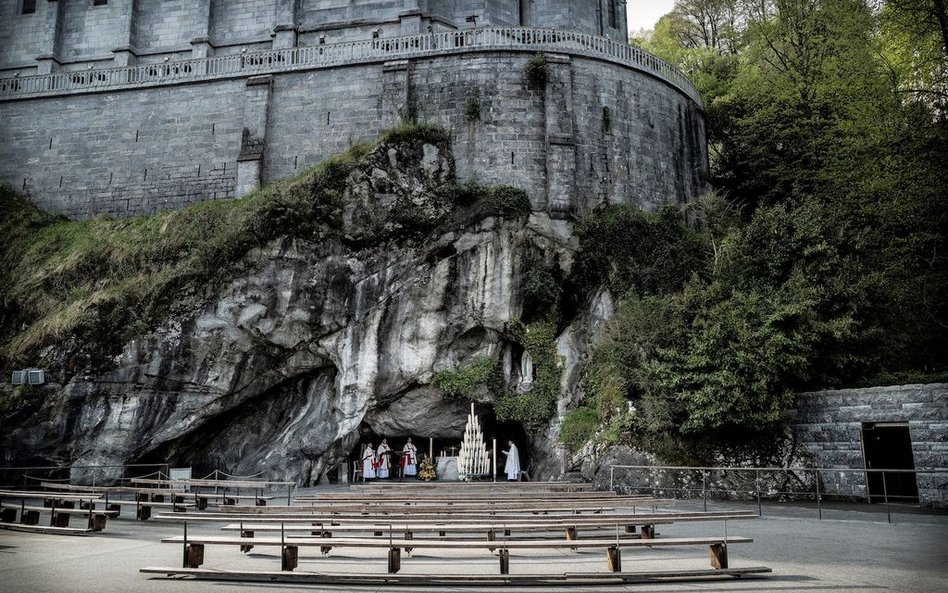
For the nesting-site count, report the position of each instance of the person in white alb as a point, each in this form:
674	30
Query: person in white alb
382	455
410	458
368	462
512	467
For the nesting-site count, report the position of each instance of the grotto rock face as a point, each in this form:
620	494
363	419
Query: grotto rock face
280	373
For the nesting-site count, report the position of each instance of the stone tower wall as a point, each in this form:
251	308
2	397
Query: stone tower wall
141	150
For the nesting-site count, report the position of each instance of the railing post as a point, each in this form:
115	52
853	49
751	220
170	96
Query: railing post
704	488
819	507
885	493
611	475
760	512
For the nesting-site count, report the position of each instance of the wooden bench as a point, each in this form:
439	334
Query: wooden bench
570	527
289	546
44	529
445	580
143	508
455	497
491	486
59	516
474	518
480	510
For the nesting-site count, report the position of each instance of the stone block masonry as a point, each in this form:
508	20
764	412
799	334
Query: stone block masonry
830	423
597	132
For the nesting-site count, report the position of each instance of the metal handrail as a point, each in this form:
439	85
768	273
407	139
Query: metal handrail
756	474
347	53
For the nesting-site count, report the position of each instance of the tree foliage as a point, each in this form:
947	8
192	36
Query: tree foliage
821	262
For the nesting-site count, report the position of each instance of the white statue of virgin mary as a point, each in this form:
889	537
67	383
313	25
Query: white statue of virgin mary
526	373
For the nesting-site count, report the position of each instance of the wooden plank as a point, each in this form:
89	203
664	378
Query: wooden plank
31	495
496	521
479	509
455	497
59	510
591	578
45	529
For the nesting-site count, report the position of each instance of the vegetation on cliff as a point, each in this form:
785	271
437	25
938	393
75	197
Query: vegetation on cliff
822	260
95	284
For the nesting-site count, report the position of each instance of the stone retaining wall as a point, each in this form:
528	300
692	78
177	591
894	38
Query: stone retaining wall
829	424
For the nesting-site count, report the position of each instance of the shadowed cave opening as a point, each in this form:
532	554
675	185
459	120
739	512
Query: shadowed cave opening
490	426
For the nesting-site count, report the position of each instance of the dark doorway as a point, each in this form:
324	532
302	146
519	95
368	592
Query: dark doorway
504	431
889	446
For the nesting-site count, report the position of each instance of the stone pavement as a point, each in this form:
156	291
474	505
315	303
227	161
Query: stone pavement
848	551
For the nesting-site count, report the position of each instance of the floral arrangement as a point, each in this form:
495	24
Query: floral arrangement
426	470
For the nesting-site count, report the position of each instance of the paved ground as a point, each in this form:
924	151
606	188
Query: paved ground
847	551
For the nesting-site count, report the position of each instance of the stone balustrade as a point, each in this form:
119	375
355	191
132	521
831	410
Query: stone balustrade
342	54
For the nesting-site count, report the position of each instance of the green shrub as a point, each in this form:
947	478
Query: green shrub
539	404
579	426
464	381
536	71
541	288
472	109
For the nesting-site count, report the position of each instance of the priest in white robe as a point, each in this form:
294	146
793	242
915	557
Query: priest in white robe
512	467
383	462
410	458
368	462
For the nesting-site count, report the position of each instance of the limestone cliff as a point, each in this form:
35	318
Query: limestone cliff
316	338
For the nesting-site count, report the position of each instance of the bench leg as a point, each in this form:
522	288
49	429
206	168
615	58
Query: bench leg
157	497
97	522
394	560
648	532
194	555
630	528
409	535
8	515
325	549
117	508
718	554
571	534
144	513
229	501
291	557
261	502
441	534
201	503
614	557
504	556
59	520
491	537
246	547
30	518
